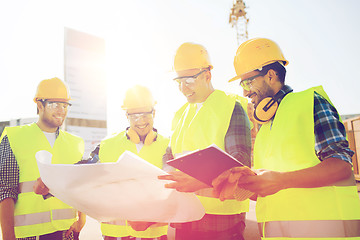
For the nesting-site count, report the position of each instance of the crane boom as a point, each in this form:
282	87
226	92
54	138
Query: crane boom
239	20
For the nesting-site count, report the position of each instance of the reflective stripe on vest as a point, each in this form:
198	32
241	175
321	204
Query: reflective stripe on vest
293	151
31	212
199	129
31	219
43	217
311	229
61	214
110	150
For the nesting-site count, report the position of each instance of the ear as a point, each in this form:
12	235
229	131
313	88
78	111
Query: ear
153	113
273	77
40	106
207	76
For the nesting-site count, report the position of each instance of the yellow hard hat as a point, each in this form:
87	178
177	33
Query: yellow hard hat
191	56
52	88
256	53
138	97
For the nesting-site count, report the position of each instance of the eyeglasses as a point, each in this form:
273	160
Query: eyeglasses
57	105
188	80
246	83
138	116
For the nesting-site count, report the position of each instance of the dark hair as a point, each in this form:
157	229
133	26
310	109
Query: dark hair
43	103
278	68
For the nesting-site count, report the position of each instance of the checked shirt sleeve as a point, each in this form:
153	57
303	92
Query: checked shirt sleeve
238	137
330	134
9	172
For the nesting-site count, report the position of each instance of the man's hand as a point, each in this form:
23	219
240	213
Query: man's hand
40	188
140	225
225	184
183	182
265	183
78	225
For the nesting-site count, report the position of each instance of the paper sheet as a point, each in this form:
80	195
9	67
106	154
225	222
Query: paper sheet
127	189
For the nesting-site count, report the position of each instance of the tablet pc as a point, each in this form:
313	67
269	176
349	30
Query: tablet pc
205	164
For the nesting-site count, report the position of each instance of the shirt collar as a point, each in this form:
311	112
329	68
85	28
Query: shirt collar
282	93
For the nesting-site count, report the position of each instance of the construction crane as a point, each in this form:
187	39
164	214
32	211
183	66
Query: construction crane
239	20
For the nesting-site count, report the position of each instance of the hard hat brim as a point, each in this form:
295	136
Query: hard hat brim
234	79
54	99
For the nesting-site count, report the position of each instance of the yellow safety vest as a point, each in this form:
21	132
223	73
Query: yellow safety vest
198	130
35	216
331	212
110	150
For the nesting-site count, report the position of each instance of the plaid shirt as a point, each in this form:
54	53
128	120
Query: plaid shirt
9	178
238	145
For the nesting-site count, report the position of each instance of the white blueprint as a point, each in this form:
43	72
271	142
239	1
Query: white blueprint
127	189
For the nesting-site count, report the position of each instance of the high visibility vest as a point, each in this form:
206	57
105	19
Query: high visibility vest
330	212
198	130
33	215
110	150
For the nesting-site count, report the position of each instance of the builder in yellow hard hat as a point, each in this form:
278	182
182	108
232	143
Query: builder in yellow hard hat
209	117
24	214
306	187
142	139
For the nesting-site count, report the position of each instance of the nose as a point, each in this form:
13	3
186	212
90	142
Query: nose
246	92
61	109
140	119
183	87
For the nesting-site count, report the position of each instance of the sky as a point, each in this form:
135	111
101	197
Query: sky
319	38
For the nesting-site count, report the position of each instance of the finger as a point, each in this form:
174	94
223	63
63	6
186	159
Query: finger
223	194
215	193
218	188
229	190
218	185
166	177
173	185
239	169
68	232
221	178
234	177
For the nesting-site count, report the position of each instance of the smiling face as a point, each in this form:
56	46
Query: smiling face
141	120
258	88
52	114
197	90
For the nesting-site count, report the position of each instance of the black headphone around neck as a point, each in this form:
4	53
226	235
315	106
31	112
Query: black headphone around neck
267	107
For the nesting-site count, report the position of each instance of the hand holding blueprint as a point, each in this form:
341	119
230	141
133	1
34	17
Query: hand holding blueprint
126	189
